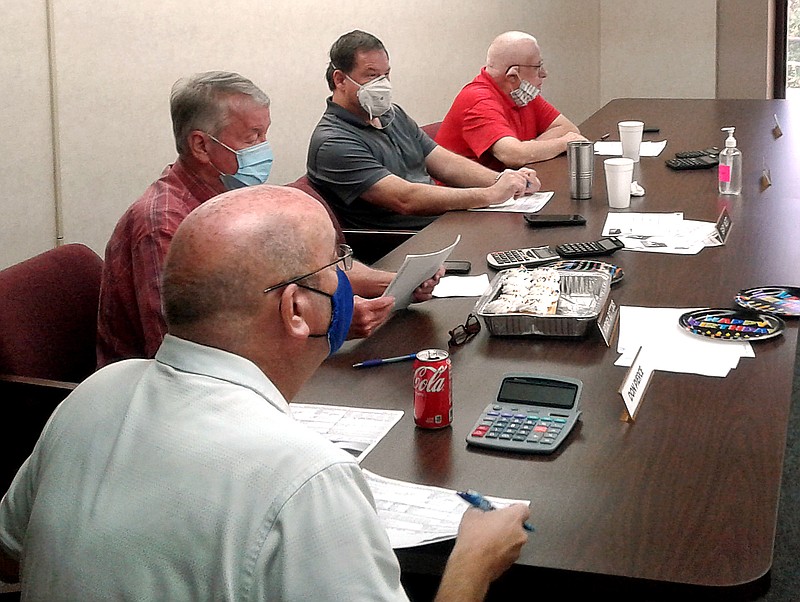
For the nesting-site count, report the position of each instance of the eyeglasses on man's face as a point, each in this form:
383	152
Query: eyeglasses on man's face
539	68
463	333
344	259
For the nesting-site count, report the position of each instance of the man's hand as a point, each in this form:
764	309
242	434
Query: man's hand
516	183
494	538
488	544
368	315
424	291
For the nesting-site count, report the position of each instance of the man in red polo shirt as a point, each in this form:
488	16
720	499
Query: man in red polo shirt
499	119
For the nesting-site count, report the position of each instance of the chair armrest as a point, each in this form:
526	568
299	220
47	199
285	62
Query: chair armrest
37	382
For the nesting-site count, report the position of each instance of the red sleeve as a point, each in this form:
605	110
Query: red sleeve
485	124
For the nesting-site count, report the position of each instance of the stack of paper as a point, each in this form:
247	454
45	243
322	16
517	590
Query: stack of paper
670	347
661	232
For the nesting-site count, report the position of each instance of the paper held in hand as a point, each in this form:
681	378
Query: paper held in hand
415	270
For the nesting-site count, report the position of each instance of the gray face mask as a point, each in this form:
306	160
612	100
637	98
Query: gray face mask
525	93
375	97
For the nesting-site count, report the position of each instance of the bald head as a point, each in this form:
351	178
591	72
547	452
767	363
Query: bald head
511	48
228	250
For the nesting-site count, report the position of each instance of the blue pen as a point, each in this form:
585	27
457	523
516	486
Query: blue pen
384	360
481	503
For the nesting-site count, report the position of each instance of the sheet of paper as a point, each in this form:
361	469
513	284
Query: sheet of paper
355	430
648	148
462	286
670	347
525	204
415	270
417	514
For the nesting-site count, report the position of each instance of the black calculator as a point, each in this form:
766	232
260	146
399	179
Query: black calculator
533	414
595	248
695	159
513	258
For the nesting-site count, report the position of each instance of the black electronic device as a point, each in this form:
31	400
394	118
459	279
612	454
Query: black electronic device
514	258
537	220
709	152
595	248
695	159
452	266
533	414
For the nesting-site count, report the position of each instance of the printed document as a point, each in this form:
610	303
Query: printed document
418	514
530	203
355	430
415	270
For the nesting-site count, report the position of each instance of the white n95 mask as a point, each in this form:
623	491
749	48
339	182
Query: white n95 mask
375	97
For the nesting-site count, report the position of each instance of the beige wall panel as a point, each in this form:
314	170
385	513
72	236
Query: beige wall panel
745	41
27	226
663	49
117	61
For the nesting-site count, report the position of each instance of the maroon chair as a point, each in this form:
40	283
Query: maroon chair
48	315
48	324
368	245
432	128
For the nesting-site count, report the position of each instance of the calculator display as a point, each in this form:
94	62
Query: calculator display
538	392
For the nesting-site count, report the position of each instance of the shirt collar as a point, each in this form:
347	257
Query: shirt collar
194	358
196	186
505	98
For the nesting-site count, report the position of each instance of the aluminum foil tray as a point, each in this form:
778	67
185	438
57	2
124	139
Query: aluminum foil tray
582	297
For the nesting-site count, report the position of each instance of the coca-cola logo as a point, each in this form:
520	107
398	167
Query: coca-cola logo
428	379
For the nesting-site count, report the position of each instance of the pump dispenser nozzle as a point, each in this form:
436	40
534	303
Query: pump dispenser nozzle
730	141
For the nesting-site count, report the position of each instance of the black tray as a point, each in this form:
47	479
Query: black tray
731	324
780	300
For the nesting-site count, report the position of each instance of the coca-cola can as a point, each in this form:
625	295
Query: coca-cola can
433	390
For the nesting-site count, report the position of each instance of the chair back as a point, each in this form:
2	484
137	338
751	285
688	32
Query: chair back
432	128
368	245
48	314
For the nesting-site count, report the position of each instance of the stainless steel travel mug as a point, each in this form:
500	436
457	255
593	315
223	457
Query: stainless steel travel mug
580	158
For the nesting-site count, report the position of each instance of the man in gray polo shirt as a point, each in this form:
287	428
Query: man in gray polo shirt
374	165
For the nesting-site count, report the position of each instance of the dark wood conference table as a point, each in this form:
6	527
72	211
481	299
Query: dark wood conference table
685	497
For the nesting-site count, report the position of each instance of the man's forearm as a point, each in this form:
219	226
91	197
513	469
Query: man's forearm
457	171
410	198
368	282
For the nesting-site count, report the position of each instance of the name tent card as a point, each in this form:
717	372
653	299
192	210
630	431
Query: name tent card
635	384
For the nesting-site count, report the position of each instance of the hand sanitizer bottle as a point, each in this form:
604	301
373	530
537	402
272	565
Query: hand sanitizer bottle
730	166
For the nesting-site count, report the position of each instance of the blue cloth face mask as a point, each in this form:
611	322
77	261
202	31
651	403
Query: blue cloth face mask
341	312
255	163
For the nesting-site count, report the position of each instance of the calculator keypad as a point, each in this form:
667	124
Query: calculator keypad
521	426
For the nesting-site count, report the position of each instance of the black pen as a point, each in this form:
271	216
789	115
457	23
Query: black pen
474	498
384	360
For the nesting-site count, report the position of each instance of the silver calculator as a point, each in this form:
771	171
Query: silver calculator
533	414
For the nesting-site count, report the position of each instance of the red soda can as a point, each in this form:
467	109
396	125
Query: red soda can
433	391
